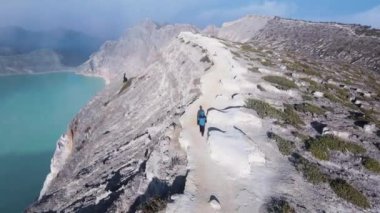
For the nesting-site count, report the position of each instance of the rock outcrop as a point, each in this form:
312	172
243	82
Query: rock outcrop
134	51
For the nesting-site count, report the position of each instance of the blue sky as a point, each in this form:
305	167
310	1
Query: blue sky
111	17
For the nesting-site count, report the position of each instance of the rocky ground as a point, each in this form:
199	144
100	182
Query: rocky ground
288	130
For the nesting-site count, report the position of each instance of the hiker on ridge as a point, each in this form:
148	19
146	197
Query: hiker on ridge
201	120
125	79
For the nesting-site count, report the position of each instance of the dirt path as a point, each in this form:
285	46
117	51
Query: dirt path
206	177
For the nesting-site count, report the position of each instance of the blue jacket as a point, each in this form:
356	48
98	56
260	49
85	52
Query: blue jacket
202	121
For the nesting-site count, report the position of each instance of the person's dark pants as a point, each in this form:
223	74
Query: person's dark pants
202	129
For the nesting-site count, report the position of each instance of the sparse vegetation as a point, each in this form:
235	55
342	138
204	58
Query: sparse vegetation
331	97
284	146
307	97
263	109
309	170
248	48
300	135
306	107
236	54
266	62
260	88
153	205
300	67
314	86
370	116
254	69
339	92
371	164
321	146
279	205
349	193
290	116
205	59
280	82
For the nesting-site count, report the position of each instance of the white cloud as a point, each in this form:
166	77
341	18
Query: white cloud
267	7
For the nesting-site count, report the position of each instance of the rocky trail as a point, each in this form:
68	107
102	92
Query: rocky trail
221	160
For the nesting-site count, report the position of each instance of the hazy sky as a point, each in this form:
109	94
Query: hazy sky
111	17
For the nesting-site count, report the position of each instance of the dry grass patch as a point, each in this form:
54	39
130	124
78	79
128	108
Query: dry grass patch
349	193
371	164
281	82
320	147
309	170
286	147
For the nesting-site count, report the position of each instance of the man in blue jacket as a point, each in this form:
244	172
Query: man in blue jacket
202	120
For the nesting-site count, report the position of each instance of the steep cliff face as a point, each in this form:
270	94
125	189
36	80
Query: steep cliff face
133	52
286	130
125	141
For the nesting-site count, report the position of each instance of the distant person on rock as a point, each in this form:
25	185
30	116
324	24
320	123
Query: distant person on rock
125	79
202	120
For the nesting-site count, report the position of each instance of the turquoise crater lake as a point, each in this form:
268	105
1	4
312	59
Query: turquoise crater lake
34	111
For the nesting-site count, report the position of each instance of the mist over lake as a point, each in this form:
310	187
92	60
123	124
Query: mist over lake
34	111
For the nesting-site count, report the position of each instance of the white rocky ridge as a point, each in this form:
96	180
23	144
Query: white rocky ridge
136	145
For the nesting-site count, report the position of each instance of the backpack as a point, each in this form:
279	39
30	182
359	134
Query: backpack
202	120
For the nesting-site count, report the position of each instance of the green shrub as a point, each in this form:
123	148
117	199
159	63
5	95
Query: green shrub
248	48
349	193
332	97
309	170
300	135
263	109
306	107
284	146
371	164
267	62
341	93
321	146
314	86
307	97
300	67
290	116
279	205
254	69
236	54
280	82
153	205
260	88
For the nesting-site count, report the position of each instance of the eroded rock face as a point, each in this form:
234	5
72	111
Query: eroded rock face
244	29
125	140
133	52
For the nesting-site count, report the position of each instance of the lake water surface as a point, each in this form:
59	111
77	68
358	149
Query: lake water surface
34	111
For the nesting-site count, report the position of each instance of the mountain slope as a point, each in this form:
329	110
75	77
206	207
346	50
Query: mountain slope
286	131
352	44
